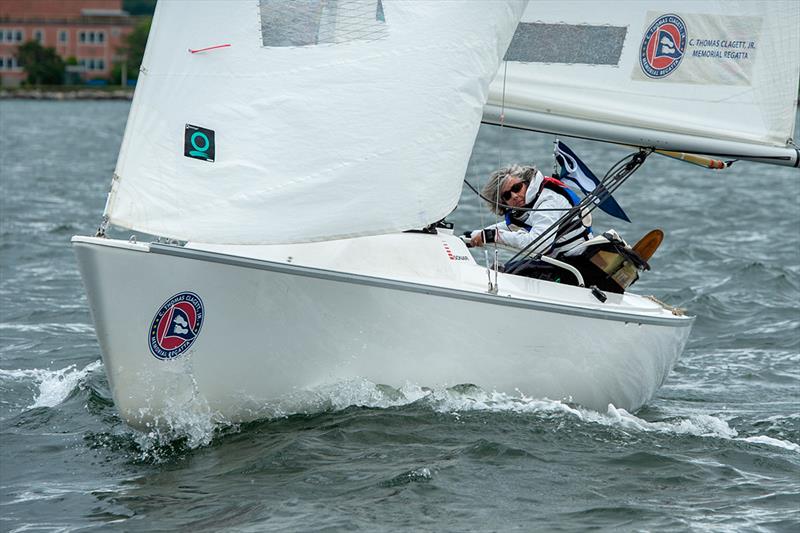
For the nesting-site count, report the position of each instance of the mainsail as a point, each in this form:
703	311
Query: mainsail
266	121
709	77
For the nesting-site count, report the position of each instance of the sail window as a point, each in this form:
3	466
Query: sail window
312	22
536	42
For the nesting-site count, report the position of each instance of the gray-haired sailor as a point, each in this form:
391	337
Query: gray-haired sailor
546	199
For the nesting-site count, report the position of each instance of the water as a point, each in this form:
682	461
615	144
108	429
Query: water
718	449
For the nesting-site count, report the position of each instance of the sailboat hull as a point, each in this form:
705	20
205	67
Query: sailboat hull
270	331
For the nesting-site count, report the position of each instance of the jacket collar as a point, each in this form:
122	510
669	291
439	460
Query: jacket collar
534	187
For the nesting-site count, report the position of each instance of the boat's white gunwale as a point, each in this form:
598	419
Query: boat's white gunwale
505	301
361	279
112	243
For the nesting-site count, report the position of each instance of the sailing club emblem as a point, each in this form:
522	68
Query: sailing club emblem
198	143
176	325
662	46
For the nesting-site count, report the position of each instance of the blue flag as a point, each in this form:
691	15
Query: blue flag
575	172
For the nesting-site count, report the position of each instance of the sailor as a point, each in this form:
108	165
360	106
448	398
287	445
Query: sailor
546	200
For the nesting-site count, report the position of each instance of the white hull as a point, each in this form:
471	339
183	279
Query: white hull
285	319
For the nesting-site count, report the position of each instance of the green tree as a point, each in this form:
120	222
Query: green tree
43	65
139	7
133	51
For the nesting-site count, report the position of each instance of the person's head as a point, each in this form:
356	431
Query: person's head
508	186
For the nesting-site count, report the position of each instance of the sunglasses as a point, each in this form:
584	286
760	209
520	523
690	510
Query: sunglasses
513	190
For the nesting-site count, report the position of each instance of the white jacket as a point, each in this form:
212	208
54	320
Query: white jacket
520	236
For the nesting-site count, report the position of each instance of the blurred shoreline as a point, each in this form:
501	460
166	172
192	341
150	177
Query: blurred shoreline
66	93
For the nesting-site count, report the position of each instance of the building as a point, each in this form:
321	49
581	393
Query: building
91	31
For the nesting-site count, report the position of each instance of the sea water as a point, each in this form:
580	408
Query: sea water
718	449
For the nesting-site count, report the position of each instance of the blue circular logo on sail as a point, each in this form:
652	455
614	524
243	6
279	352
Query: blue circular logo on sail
176	325
663	46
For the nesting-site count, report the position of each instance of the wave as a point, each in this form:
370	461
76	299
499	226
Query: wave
53	386
77	327
195	426
698	425
763	439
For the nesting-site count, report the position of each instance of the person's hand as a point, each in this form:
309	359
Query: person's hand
477	238
484	236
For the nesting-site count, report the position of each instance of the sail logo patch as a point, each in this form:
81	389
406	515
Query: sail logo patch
176	325
663	46
198	143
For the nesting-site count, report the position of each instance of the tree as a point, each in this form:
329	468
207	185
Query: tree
133	50
136	42
139	7
43	65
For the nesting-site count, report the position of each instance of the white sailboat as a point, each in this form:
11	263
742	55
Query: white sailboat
284	148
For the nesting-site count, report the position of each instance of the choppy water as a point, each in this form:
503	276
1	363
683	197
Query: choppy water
718	449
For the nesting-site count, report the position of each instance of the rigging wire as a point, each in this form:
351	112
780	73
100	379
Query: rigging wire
613	179
493	286
496	258
483	225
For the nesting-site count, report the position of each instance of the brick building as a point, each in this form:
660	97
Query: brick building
91	31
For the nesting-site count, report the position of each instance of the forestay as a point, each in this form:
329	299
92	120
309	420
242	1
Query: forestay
715	77
285	121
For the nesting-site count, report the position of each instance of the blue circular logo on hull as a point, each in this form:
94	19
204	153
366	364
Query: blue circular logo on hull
176	325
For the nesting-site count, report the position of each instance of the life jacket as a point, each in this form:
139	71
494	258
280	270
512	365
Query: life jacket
570	230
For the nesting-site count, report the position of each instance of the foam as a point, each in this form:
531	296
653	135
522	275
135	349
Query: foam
77	327
194	421
763	439
53	386
466	399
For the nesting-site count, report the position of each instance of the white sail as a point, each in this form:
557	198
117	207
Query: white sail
715	77
266	121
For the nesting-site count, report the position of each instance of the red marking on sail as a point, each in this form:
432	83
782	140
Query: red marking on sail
209	48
